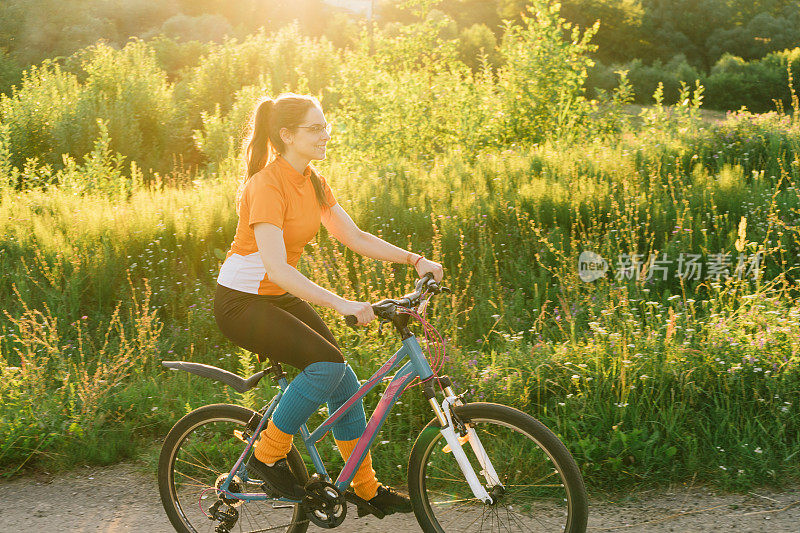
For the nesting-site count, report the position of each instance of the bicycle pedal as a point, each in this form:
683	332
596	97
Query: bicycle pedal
461	440
363	507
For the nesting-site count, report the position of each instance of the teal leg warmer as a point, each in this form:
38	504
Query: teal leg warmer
353	423
313	386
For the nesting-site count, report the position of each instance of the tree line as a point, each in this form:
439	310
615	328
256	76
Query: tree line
737	42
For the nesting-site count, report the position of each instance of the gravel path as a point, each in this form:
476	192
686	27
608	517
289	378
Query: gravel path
123	498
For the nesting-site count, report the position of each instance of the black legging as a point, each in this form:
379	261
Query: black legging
284	328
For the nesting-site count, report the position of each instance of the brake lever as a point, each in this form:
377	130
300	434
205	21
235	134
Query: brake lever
435	288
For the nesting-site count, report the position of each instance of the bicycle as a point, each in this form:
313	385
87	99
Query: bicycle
514	475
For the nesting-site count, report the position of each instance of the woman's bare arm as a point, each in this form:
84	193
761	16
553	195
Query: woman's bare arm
344	230
341	226
269	239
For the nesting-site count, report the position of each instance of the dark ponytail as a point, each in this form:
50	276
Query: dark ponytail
270	116
260	149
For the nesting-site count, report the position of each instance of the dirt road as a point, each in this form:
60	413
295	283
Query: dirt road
123	498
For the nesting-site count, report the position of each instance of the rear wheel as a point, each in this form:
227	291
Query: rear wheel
541	488
197	455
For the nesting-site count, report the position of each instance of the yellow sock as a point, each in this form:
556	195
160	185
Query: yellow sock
364	483
273	445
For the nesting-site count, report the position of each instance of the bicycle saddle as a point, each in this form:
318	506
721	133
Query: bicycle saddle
238	383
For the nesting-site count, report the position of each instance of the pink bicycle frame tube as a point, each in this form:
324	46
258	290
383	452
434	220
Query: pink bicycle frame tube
387	367
396	387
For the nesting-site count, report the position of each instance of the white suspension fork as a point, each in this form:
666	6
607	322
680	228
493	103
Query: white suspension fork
455	445
492	479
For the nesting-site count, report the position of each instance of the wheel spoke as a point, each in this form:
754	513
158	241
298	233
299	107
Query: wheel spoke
449	479
177	459
198	484
482	517
449	473
518	520
202	447
456	501
532	493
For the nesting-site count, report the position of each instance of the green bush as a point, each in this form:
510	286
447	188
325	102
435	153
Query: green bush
138	109
34	113
284	61
601	78
222	136
541	82
10	73
759	36
734	83
476	40
645	78
206	27
52	113
400	102
176	58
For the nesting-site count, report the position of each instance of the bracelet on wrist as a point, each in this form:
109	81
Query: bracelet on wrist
409	257
417	261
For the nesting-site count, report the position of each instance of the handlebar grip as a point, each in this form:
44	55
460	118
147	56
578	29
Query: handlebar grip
351	320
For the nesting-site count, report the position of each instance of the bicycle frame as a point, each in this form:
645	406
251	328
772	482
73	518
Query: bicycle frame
417	366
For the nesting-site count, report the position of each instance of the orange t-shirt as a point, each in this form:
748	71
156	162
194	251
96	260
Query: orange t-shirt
280	195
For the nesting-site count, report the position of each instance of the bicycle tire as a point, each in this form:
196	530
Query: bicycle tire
213	427
443	501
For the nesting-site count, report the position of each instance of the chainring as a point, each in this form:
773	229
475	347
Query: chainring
324	504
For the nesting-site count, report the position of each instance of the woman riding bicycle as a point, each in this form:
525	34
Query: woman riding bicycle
262	300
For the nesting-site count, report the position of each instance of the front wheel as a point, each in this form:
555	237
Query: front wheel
198	453
540	487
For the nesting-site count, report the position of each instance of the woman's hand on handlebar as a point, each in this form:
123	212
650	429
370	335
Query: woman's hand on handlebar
361	310
426	265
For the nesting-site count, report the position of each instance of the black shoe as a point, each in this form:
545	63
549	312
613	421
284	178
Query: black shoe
277	478
388	501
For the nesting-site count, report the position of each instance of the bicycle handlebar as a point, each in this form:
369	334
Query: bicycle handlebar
385	309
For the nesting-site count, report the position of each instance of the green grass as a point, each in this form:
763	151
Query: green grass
109	264
646	381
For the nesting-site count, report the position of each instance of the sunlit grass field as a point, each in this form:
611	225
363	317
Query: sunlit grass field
650	374
646	380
